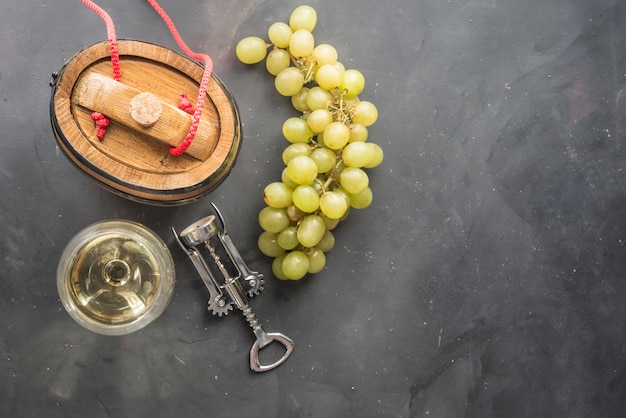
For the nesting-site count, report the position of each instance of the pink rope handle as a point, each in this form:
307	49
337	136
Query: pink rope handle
208	68
115	56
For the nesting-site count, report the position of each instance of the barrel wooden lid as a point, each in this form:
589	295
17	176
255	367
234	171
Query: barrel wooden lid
132	160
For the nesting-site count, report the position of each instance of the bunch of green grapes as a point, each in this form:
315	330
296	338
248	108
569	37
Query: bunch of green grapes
328	151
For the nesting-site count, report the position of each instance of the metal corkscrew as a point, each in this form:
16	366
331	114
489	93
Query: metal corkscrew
233	282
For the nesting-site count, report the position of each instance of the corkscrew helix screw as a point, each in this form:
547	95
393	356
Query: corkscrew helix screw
232	283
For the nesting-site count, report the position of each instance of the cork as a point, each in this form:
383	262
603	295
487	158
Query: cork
145	109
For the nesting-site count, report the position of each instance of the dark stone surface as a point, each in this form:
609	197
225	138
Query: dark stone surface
486	280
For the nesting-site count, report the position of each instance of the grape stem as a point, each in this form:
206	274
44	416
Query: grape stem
339	112
306	68
328	182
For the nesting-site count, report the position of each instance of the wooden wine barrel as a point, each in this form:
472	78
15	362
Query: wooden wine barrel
133	159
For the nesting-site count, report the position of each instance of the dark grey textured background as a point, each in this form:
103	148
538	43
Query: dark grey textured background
486	280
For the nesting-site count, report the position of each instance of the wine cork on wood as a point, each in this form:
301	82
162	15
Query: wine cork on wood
99	93
145	109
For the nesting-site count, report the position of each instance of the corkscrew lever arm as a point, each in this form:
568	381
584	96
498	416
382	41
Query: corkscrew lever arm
204	272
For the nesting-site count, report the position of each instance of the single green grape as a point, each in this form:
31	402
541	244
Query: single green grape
287	239
295	150
302	169
340	67
347	196
330	224
306	198
352	83
277	195
324	54
317	260
273	219
327	242
303	17
318	186
377	156
284	177
336	135
318	98
277	267
295	265
277	60
365	113
293	213
298	100
296	130
357	154
353	180
333	205
362	200
311	230
358	133
289	81
279	34
328	76
319	119
268	244
324	158
319	138
251	50
301	44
